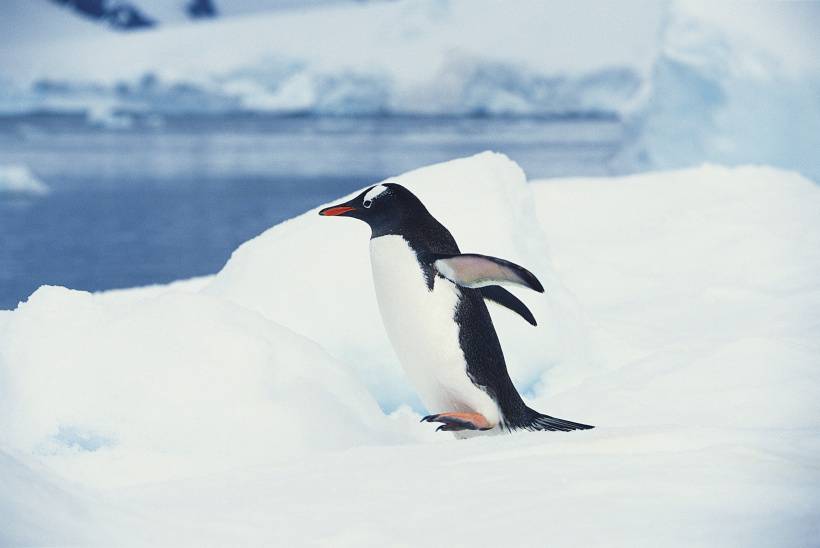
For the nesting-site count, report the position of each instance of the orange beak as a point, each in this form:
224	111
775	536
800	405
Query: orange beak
335	210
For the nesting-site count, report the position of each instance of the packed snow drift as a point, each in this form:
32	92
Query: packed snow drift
680	317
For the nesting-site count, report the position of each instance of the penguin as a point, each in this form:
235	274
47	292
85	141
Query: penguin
431	298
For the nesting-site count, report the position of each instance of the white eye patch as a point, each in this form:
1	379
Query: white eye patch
372	194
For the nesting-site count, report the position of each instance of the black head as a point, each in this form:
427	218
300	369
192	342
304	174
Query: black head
388	208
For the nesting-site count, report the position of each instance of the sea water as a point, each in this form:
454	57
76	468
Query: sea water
147	200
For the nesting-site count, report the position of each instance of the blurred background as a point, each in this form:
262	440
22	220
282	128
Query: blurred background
141	141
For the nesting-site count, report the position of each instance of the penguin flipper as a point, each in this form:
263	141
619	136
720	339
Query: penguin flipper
499	295
473	270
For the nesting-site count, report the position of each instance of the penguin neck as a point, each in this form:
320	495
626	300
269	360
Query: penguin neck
423	233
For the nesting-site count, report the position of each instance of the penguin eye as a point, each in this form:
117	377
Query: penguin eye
367	203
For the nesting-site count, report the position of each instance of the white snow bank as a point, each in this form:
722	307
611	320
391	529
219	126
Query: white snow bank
18	179
661	486
703	293
312	274
698	289
38	508
168	386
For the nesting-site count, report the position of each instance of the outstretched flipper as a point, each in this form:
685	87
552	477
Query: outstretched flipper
473	270
501	296
453	422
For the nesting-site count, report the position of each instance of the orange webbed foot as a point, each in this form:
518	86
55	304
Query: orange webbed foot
453	422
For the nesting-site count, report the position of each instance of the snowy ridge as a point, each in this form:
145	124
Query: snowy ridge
680	317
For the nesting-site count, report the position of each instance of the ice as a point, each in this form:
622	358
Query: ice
18	179
692	82
733	83
680	317
650	487
168	385
699	283
38	508
420	57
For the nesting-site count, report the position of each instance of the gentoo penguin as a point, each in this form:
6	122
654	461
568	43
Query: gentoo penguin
431	298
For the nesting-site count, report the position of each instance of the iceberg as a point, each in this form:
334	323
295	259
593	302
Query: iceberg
18	179
406	57
691	82
731	84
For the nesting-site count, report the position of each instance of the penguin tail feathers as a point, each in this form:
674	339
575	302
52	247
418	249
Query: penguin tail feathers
534	420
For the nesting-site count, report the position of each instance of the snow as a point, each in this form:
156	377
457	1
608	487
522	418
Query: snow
680	318
714	272
18	179
172	364
38	508
651	487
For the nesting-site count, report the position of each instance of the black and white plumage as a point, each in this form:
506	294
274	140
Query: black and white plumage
431	298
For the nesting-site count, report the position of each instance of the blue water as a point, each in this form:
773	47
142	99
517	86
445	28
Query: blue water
161	200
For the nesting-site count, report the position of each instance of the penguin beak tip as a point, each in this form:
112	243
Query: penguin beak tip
335	211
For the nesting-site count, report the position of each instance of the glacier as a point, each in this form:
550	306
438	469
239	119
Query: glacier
680	317
733	84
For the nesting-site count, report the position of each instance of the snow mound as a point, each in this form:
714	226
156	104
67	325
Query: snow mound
174	384
689	339
312	274
703	294
18	179
39	509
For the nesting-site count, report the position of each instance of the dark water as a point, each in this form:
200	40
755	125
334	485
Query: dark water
154	201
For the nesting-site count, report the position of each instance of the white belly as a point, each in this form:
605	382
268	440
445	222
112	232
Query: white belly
421	328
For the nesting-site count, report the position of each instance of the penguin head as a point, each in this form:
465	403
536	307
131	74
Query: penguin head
385	207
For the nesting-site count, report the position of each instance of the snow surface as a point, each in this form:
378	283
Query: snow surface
680	317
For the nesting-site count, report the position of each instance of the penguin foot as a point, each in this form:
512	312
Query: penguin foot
453	422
